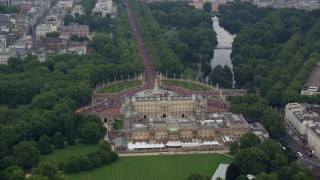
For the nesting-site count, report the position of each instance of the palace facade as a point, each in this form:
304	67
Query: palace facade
160	116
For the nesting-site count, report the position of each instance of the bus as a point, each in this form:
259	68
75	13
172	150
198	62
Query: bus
300	155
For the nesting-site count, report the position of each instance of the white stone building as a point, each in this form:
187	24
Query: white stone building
43	29
298	119
3	43
66	3
5	55
314	139
77	11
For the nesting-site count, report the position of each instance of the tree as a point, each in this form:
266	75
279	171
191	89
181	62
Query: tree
70	131
4	150
27	153
96	161
85	163
105	146
90	133
53	34
252	160
38	177
234	147
14	173
72	165
266	176
114	156
301	176
207	6
105	157
44	145
48	169
233	171
197	176
8	161
279	161
249	140
58	141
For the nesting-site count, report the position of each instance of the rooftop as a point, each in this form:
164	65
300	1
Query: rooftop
316	130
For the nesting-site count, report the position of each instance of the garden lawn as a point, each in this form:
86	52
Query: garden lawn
118	124
63	155
162	167
120	86
187	85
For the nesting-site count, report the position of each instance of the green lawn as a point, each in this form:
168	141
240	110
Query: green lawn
187	85
99	100
120	86
78	149
118	124
162	167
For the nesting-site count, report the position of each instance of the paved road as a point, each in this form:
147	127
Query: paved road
297	146
150	74
224	152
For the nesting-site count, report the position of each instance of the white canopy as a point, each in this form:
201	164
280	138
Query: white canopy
174	144
210	143
144	145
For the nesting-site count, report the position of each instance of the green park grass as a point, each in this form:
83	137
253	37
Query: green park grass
187	85
118	124
120	86
99	100
63	155
168	167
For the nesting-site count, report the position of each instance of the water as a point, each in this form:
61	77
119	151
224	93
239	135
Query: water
225	39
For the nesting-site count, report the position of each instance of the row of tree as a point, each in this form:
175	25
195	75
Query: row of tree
89	162
183	34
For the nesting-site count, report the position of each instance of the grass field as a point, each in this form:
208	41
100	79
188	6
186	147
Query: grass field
162	167
61	155
118	124
120	86
187	85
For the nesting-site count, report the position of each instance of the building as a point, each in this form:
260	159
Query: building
120	144
66	3
103	6
43	29
74	30
314	139
77	11
3	42
5	55
161	117
258	129
160	103
41	57
298	119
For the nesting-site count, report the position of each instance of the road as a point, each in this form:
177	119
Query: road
150	74
224	152
297	146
